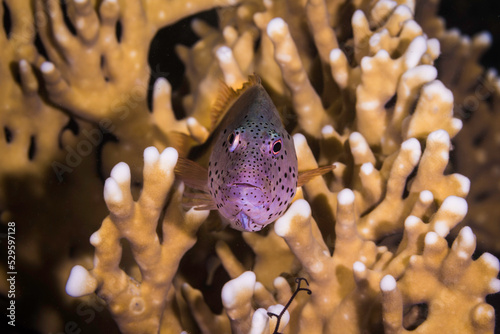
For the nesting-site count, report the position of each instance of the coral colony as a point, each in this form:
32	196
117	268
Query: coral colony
382	241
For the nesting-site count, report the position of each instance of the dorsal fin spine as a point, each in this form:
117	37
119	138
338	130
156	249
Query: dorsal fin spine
227	96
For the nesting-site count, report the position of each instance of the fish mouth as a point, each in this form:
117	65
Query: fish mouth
245	185
247	223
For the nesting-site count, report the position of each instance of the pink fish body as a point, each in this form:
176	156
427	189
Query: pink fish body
252	173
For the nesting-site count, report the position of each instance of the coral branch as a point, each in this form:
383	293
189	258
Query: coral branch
236	297
138	305
306	101
382	240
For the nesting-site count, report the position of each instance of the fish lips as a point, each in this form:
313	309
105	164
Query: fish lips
245	185
249	197
247	223
248	194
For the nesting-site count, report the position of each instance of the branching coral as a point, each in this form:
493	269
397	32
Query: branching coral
27	147
476	92
139	306
348	280
101	74
359	84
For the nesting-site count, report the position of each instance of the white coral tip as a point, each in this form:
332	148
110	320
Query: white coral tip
426	73
455	204
359	267
495	285
403	10
151	155
433	46
413	26
464	183
431	238
457	124
112	191
95	239
412	145
367	168
411	221
327	130
467	237
192	122
260	322
224	54
436	88
47	67
299	139
280	282
426	196
358	17
388	283
335	55
276	26
80	282
484	38
439	136
298	208
24	65
356	137
358	143
277	309
491	260
415	51
382	55
345	197
238	289
161	85
168	159
121	173
441	228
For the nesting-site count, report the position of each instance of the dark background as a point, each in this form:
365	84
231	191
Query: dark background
473	16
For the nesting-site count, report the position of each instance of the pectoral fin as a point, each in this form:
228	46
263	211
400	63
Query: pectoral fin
192	174
200	201
307	176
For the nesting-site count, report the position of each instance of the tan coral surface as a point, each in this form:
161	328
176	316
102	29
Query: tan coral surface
386	242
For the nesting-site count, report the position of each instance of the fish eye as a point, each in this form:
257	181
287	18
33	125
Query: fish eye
233	139
276	146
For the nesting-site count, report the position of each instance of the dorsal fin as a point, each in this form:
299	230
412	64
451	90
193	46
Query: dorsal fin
227	96
307	176
180	141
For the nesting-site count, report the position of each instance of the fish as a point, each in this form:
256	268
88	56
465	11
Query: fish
252	175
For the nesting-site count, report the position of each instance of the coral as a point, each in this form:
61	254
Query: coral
386	241
137	305
345	284
476	92
27	147
85	74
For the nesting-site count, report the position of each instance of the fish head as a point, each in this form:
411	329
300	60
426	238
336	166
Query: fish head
253	173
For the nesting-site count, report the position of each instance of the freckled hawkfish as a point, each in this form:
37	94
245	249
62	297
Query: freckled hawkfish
252	173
